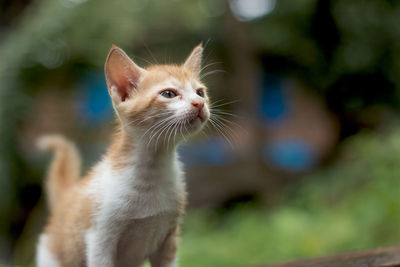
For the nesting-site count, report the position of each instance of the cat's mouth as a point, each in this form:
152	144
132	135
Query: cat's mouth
197	117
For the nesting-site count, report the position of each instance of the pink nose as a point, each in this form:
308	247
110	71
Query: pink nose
198	105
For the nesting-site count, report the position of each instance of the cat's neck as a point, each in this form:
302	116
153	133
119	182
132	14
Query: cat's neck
128	149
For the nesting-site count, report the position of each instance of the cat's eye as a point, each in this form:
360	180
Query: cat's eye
168	94
200	92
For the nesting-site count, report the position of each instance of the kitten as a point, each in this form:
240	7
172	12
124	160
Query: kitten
129	206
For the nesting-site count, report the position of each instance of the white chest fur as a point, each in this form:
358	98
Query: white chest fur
136	208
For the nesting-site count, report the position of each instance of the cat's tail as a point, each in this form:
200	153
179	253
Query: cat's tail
65	166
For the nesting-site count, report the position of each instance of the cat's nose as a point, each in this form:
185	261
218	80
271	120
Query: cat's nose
198	105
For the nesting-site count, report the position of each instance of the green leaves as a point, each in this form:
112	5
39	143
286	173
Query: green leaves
351	205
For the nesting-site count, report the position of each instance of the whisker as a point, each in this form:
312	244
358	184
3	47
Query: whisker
206	44
204	48
151	54
143	59
173	126
186	130
156	115
217	101
157	127
224	104
209	65
229	121
220	112
229	129
161	131
180	130
175	131
154	126
202	76
218	128
156	132
147	118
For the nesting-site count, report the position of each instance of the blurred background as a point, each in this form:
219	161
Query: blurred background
309	163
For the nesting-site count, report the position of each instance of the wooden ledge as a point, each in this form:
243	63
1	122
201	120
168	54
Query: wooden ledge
380	257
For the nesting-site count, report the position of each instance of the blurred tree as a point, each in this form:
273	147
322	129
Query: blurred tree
346	50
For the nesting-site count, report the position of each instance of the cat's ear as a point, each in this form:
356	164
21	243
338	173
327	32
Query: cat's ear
193	62
122	74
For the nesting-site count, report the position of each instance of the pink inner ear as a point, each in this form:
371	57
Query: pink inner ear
124	85
122	73
123	93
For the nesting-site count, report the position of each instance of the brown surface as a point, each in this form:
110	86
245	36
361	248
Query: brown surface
381	257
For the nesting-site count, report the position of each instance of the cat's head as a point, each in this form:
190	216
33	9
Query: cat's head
160	102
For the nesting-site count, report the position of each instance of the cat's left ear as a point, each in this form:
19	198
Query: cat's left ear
193	62
122	74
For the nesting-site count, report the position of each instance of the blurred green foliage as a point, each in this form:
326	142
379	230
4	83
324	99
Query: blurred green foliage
351	205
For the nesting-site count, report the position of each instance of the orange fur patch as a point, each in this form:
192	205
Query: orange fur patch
66	228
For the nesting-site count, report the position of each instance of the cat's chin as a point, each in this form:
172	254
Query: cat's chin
197	119
196	124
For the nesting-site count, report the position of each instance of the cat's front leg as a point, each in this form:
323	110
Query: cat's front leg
101	248
165	256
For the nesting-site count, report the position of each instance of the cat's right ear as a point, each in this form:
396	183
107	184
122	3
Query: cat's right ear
122	75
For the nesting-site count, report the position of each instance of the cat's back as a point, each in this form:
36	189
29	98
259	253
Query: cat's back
63	239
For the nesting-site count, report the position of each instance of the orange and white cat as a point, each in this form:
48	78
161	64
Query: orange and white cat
129	206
